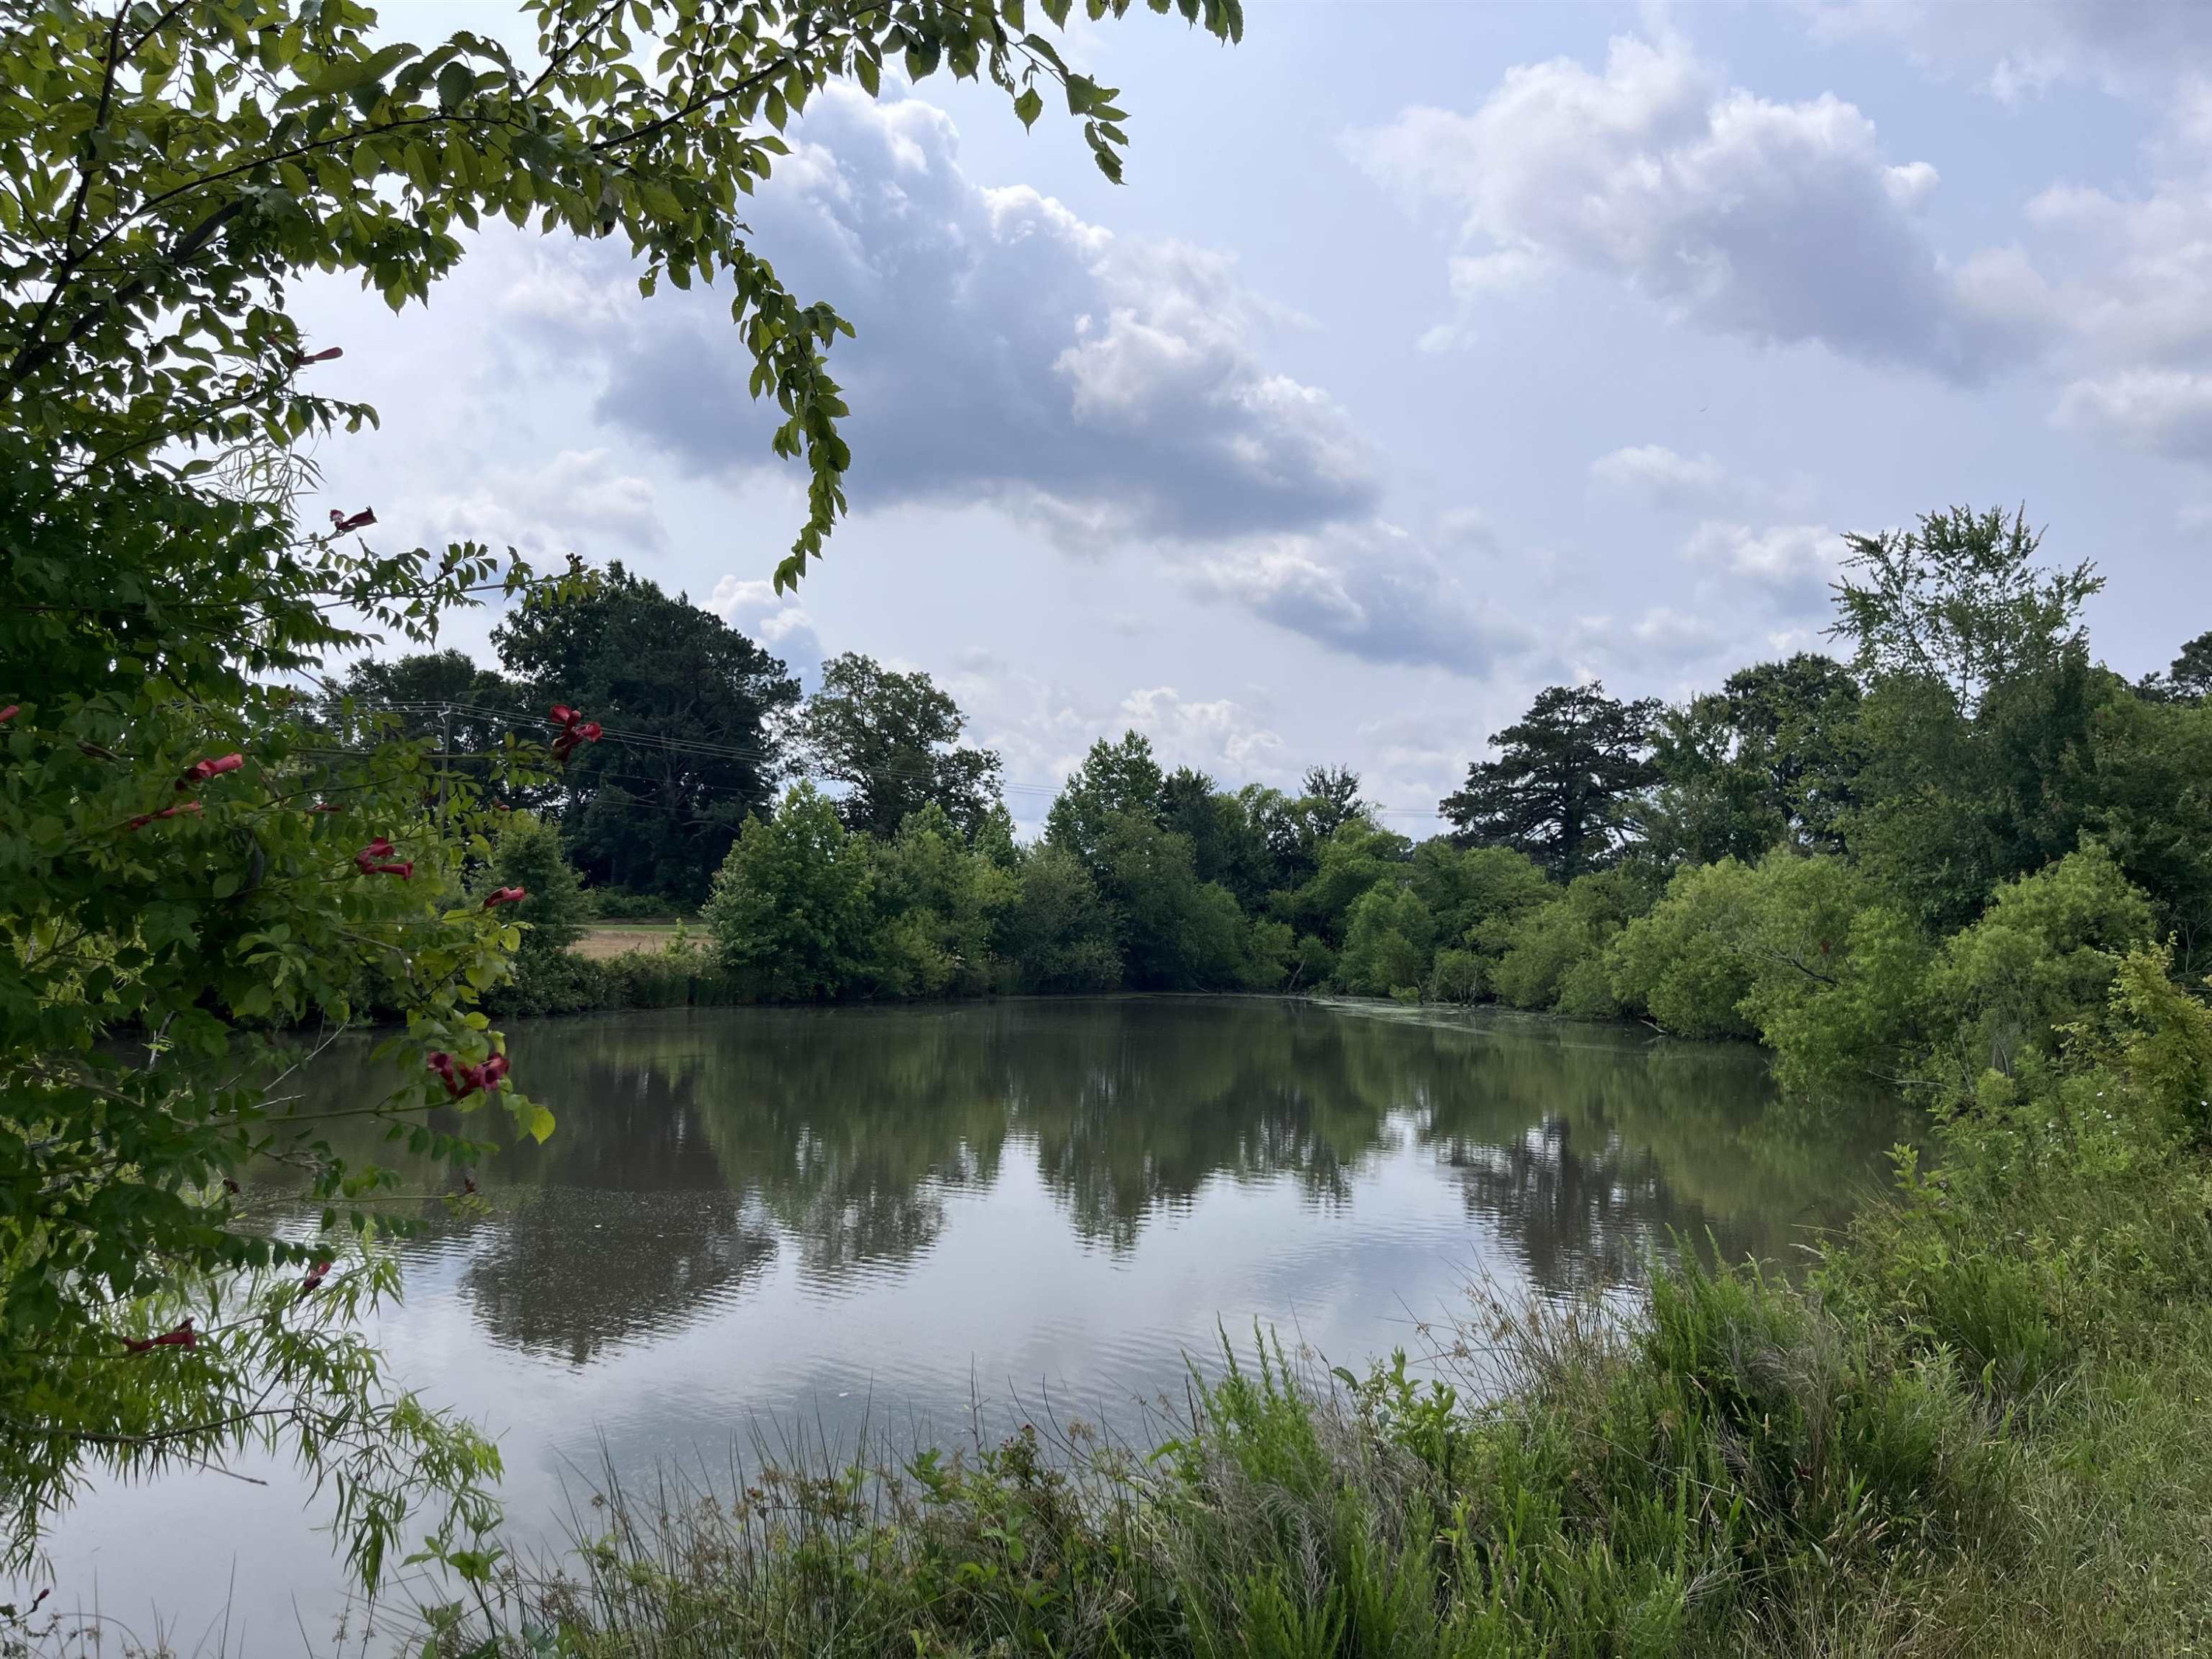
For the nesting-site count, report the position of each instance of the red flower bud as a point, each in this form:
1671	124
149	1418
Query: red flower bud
301	360
314	1279
10	711
182	1337
145	819
405	871
325	807
201	771
500	896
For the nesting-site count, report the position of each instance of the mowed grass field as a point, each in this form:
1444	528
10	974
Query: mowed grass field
602	939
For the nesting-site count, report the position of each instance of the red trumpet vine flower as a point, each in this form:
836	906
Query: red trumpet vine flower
461	1080
10	711
500	896
184	1336
325	807
575	730
145	819
368	861
315	1276
345	524
201	771
300	360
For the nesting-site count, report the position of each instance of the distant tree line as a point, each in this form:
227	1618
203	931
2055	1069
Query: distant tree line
1789	857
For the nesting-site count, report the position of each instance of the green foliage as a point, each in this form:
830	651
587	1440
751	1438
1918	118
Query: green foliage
1389	941
1562	784
1690	962
2041	957
1958	601
892	739
547	979
1115	781
1476	892
1768	759
792	913
1555	954
1356	855
691	704
941	905
1172	931
1060	935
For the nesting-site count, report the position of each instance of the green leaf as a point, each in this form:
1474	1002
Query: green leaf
1028	106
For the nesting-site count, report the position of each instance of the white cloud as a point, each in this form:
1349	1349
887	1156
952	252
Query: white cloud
2166	412
2022	47
757	609
1369	591
2126	284
574	503
1792	564
1659	476
1006	351
1220	737
1780	223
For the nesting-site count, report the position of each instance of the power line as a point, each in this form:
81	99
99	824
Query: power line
631	737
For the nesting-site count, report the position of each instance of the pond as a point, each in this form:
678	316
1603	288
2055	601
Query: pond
802	1221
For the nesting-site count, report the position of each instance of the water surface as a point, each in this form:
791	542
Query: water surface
799	1220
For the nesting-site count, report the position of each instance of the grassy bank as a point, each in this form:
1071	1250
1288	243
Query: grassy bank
1981	1426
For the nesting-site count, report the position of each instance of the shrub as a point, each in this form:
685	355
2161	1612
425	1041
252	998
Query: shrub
1389	940
793	912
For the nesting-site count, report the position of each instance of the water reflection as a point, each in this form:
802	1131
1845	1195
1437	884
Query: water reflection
805	1221
696	1149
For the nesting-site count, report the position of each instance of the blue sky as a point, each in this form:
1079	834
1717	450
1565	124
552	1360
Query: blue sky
1432	352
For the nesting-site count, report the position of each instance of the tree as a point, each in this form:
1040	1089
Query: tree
470	713
1959	601
1172	931
891	738
1227	832
1767	758
171	171
1060	935
1389	938
2188	679
1115	779
691	705
1357	857
538	888
1333	792
1562	785
940	901
792	913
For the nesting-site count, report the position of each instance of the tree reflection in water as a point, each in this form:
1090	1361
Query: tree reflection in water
694	1146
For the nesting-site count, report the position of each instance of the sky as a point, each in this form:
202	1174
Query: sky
1434	351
